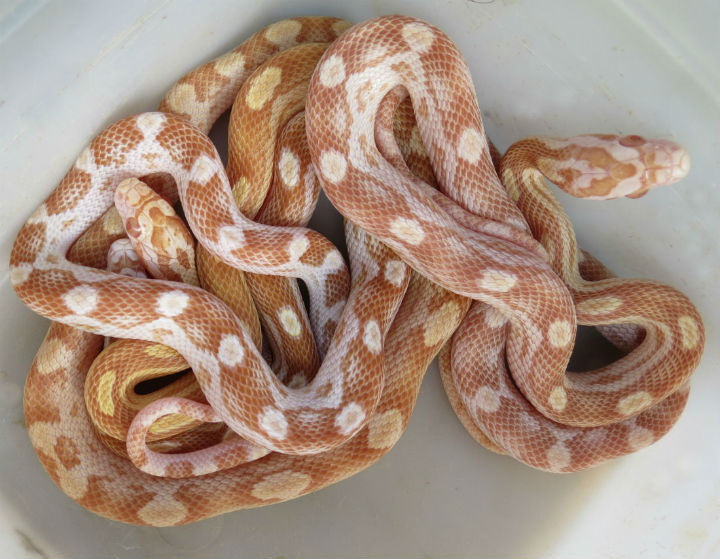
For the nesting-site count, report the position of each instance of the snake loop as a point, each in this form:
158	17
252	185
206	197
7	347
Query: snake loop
510	355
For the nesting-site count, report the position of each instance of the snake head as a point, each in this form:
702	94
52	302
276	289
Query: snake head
604	166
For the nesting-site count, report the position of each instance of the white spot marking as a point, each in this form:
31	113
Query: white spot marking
408	230
172	303
274	423
298	247
560	333
43	436
85	159
20	273
283	33
418	36
262	87
495	280
333	260
494	318
151	123
558	398
231	237
332	71
441	323
74	482
639	437
231	350
384	429
689	331
372	337
163	510
289	166
81	299
230	65
471	145
204	170
333	165
290	321
558	457
281	486
53	354
632	404
487	399
395	272
181	97
350	418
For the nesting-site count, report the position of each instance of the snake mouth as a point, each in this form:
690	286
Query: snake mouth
683	167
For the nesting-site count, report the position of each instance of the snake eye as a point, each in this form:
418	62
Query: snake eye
631	141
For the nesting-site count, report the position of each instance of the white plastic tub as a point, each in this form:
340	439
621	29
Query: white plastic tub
557	67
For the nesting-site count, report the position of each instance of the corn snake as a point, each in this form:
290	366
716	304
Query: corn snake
500	223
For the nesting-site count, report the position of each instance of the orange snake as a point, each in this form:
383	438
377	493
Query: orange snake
496	267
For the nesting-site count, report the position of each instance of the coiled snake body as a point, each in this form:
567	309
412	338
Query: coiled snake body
496	259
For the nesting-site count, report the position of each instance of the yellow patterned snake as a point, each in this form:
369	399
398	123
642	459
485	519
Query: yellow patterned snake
496	259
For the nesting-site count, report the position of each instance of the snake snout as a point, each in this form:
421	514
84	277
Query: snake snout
665	162
656	162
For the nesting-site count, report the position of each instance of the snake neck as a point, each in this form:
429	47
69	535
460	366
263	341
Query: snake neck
524	169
